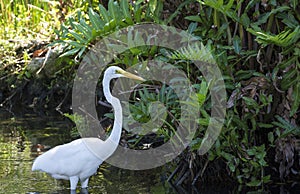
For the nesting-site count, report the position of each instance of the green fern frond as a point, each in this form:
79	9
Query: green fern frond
284	39
192	52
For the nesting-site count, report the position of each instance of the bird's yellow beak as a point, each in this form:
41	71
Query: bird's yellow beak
130	75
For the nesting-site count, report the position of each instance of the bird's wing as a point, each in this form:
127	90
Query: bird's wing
68	159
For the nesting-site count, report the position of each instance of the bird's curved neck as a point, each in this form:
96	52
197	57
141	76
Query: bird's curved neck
115	102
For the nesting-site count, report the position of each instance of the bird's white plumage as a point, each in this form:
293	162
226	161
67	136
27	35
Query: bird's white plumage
80	159
71	159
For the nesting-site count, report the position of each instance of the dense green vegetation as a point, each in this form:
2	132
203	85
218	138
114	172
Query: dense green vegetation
255	43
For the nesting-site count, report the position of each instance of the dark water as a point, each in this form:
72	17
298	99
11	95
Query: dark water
19	145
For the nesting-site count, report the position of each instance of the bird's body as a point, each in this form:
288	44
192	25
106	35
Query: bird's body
80	159
65	161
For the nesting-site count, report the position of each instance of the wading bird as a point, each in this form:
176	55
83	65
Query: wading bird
80	159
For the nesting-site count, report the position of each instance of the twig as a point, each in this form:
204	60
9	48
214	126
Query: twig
174	172
13	94
200	173
44	63
183	177
60	104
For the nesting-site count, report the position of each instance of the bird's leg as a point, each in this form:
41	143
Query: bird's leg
84	183
73	182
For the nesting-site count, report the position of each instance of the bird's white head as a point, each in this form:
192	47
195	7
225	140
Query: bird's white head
115	72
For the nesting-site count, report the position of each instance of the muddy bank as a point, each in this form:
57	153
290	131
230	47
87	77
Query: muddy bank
43	82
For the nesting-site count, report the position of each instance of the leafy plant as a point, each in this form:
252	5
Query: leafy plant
81	32
256	44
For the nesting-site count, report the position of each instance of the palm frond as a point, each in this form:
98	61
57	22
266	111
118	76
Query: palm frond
284	39
195	52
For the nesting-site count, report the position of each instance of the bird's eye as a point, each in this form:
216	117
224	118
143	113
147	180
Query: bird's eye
118	71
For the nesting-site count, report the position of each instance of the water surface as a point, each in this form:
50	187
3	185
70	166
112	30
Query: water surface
23	139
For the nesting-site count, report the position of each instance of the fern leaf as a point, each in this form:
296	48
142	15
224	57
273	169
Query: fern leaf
284	39
95	20
104	13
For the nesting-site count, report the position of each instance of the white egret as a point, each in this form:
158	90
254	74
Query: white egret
76	161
